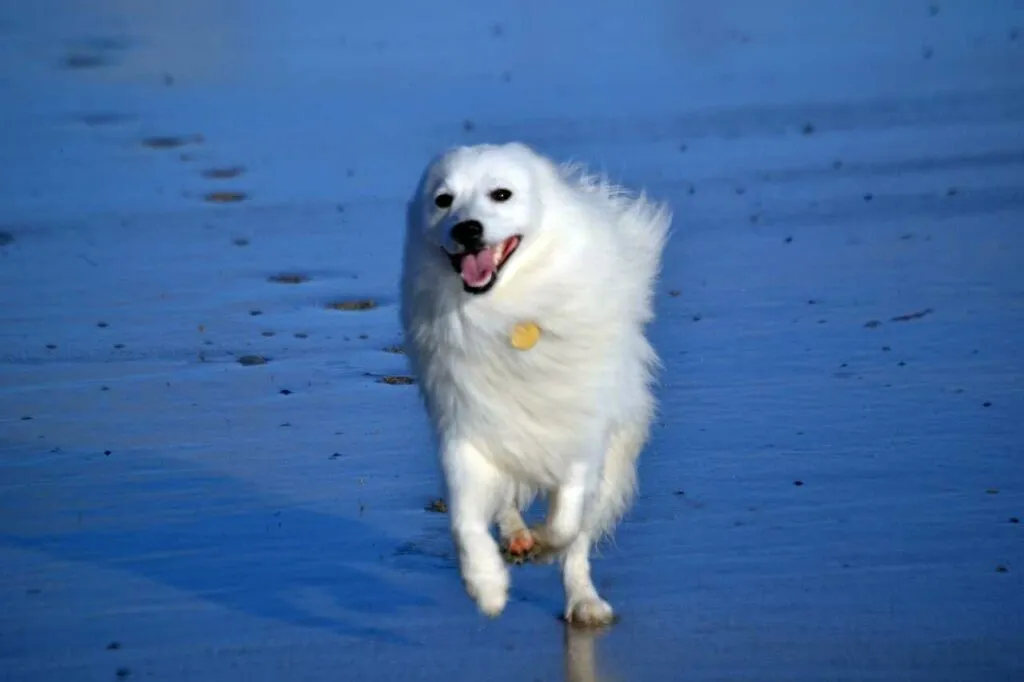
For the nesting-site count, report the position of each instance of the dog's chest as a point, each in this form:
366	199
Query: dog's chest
519	386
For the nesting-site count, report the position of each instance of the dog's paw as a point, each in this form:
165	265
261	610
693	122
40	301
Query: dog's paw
547	547
519	547
592	612
490	592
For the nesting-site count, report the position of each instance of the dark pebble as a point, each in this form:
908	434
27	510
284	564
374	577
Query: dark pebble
222	173
358	304
285	391
397	380
798	483
226	197
169	141
288	278
107	453
1014	519
113	646
250	360
986	404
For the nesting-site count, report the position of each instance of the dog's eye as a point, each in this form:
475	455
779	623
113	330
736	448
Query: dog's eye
443	200
501	194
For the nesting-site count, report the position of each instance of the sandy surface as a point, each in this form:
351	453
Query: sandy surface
834	490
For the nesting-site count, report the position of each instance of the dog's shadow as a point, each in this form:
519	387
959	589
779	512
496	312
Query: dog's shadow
215	538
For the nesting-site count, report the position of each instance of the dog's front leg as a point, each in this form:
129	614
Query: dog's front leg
475	494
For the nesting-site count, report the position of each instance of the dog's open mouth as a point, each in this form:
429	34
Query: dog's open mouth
479	268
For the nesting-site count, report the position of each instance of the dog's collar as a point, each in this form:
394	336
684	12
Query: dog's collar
524	335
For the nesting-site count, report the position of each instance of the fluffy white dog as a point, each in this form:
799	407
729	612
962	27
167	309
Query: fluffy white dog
526	288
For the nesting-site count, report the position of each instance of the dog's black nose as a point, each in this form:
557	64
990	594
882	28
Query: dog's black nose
468	232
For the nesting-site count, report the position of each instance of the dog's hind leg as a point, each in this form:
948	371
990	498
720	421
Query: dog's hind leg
516	539
517	543
566	510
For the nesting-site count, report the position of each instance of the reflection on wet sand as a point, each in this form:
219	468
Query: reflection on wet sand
580	655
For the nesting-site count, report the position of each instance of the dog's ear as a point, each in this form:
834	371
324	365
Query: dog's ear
414	206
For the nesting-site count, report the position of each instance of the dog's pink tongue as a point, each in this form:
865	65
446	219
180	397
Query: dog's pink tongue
477	268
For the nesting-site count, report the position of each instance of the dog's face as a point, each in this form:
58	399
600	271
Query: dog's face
477	205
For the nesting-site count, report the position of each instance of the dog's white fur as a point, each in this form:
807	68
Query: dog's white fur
567	418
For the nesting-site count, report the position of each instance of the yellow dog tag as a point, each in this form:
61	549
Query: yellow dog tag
524	336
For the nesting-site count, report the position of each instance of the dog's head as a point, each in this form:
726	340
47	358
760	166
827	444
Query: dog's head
478	206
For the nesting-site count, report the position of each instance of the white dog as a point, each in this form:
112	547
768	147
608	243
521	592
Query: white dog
525	292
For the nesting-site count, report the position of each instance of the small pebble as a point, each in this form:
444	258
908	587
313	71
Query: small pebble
360	304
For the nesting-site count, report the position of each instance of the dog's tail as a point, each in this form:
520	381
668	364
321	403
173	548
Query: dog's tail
644	225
